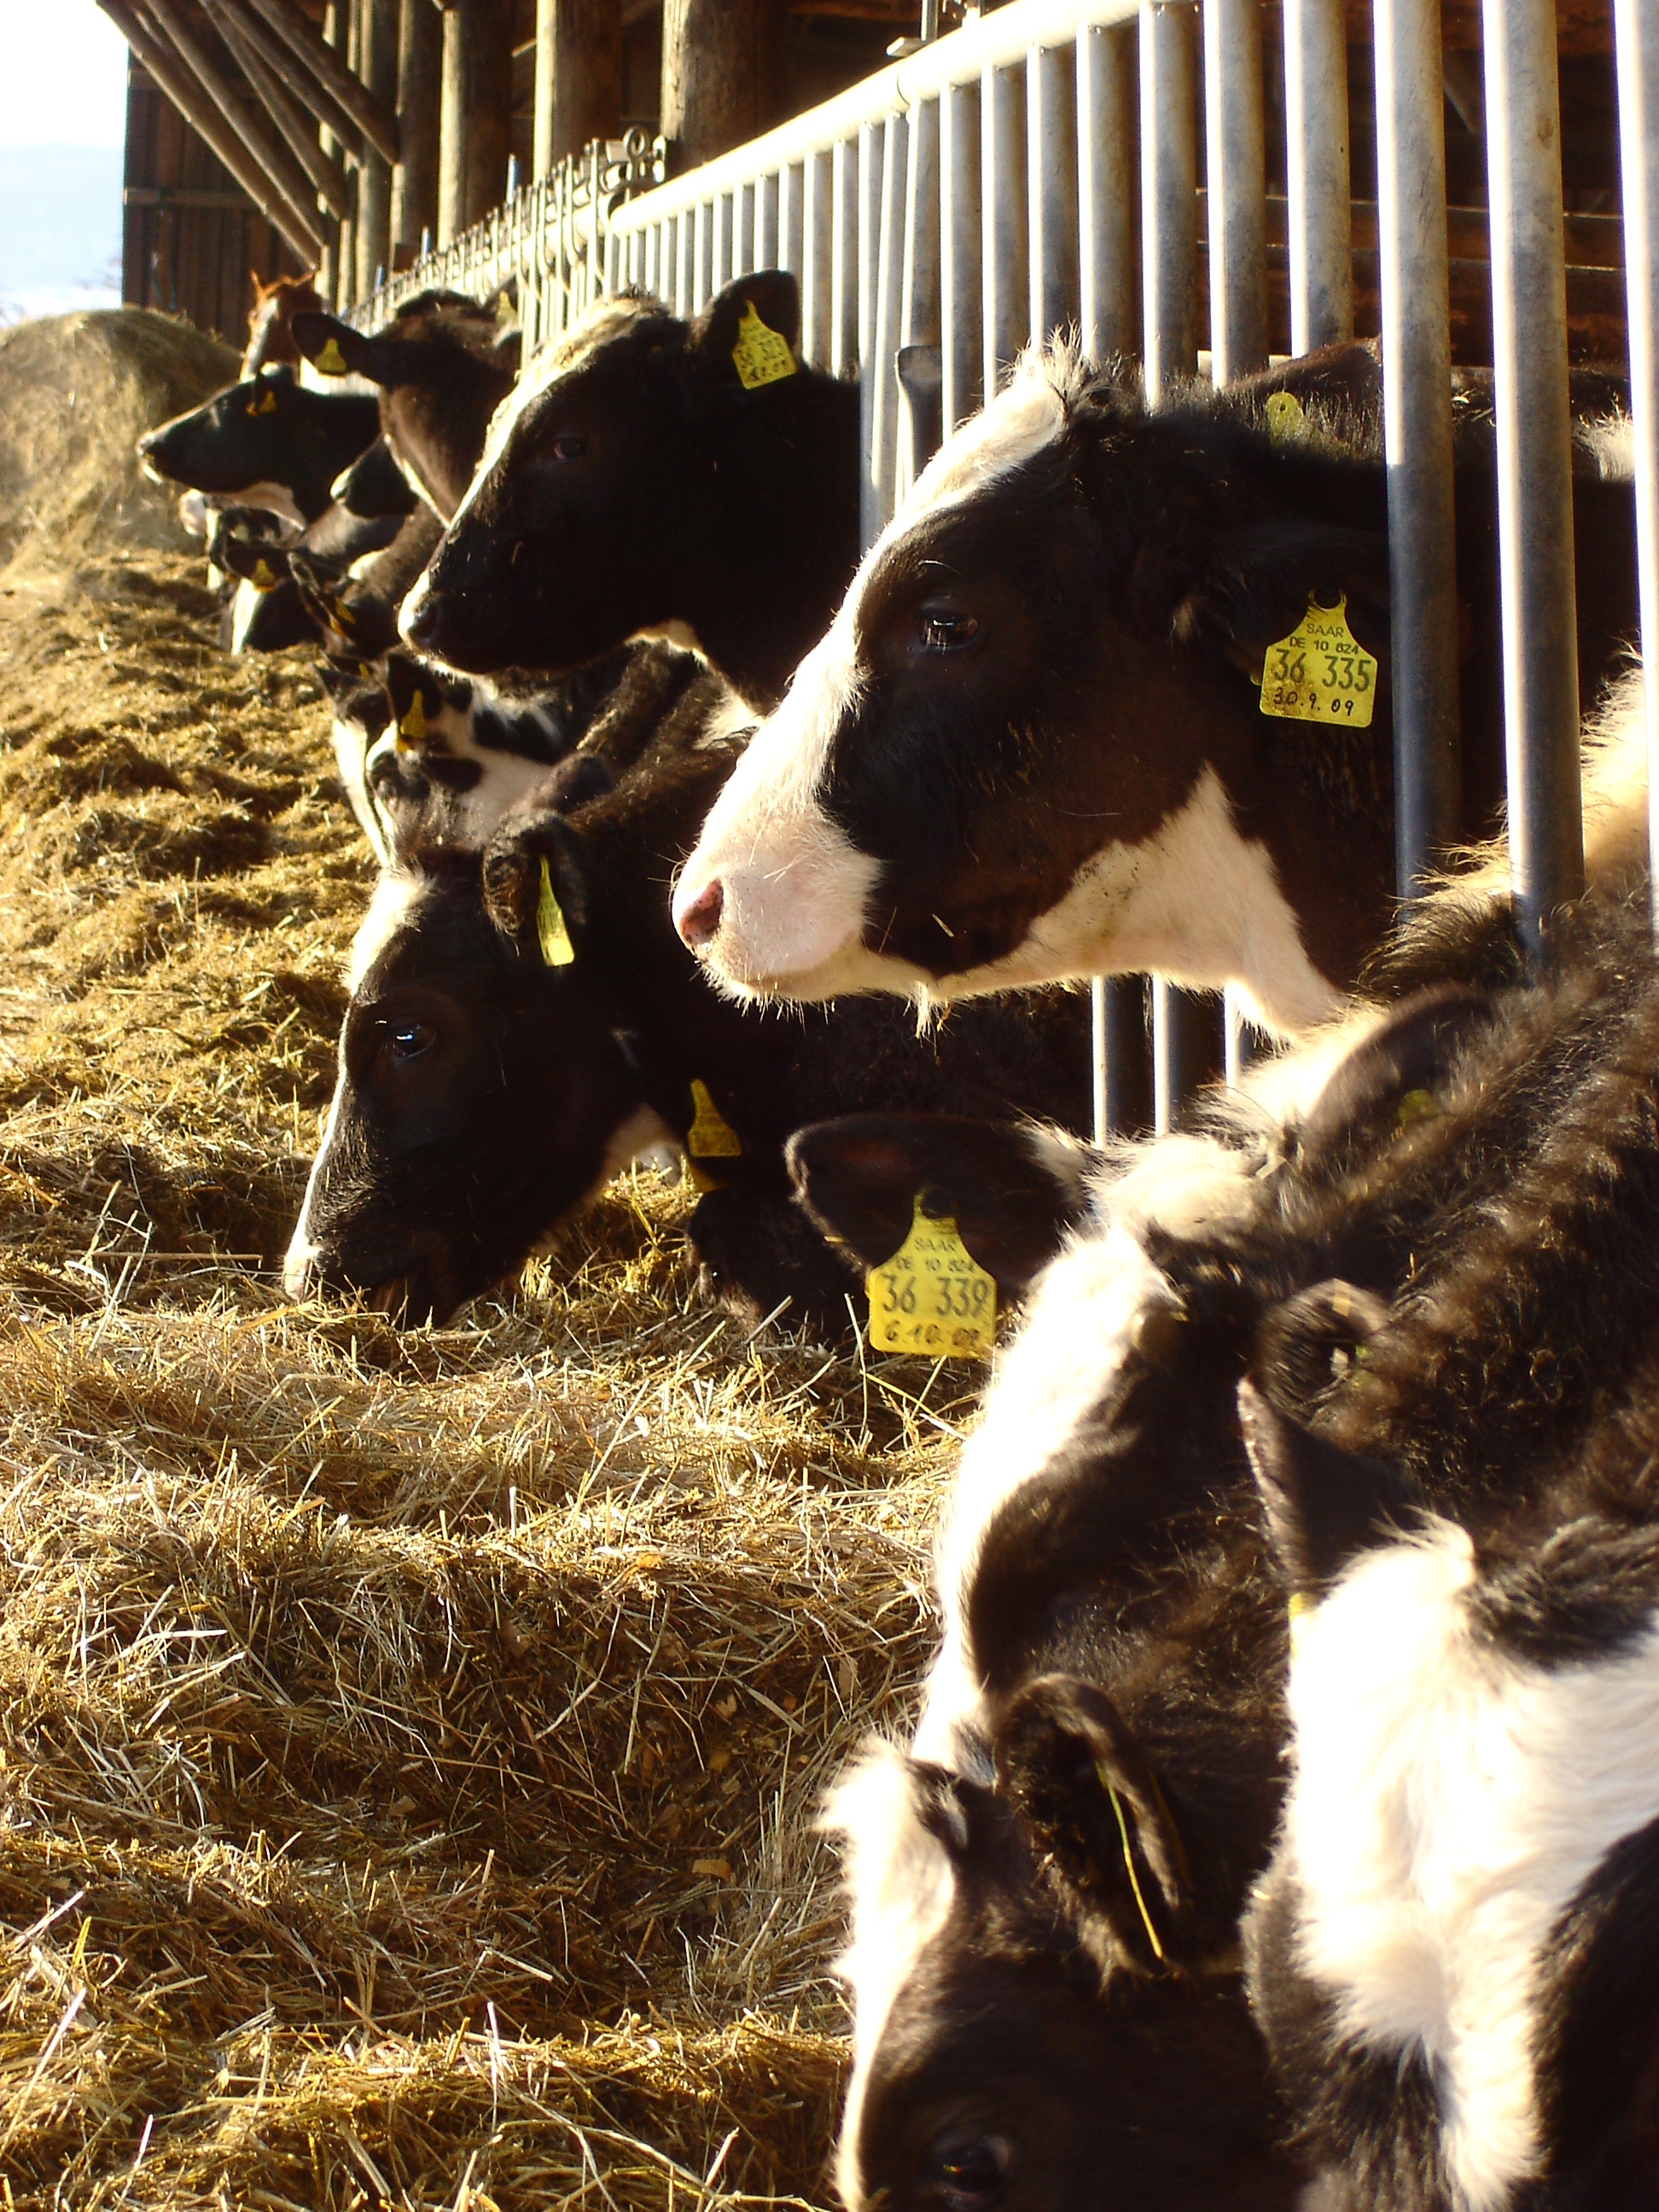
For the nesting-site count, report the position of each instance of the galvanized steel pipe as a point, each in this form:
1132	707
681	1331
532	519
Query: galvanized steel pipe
1317	175
1236	171
1636	26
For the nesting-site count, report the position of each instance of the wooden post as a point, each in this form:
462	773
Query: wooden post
578	51
475	129
328	264
419	69
378	125
340	135
176	81
342	21
327	177
377	65
722	66
249	125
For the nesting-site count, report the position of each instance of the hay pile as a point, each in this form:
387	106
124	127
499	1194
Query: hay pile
407	1744
76	392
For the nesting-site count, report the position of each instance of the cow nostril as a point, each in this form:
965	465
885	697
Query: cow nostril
699	918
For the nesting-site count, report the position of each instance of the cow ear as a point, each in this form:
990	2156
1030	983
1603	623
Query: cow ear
1013	1191
1077	1775
535	886
254	560
333	347
1395	1075
1324	1505
735	342
1316	1338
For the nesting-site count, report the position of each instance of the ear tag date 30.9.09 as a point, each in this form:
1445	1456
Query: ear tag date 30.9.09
932	1297
1321	672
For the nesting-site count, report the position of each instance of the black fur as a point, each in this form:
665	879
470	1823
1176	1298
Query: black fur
266	429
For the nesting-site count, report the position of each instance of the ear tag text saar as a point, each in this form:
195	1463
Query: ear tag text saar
330	361
551	934
1284	416
933	1295
411	734
762	355
1321	672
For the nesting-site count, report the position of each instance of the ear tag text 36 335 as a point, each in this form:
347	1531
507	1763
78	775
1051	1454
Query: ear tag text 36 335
762	355
1321	672
551	934
933	1295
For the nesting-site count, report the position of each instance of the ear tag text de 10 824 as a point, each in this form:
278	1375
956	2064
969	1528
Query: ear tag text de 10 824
932	1297
762	355
411	734
330	361
551	934
1321	672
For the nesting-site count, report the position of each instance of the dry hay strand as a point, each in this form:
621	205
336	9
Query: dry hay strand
408	1744
77	391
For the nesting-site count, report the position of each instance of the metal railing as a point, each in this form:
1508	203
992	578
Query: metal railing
981	192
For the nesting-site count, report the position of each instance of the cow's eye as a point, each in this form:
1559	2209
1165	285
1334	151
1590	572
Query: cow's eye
944	630
411	1039
967	2173
569	446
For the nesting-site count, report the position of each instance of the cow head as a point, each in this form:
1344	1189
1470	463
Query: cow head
264	441
444	364
1030	747
1002	2063
582	523
482	1091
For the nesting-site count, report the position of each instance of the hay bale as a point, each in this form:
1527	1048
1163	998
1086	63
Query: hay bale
77	391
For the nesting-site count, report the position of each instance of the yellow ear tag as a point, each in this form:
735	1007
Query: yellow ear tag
1321	672
761	355
551	934
411	732
264	404
932	1296
342	614
262	580
330	361
711	1136
1299	1611
1284	416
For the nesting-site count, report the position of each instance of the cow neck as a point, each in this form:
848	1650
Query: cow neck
775	521
333	430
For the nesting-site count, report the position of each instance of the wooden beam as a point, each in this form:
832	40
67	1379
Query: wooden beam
326	177
578	66
245	118
722	72
279	57
187	96
475	129
377	125
420	73
377	66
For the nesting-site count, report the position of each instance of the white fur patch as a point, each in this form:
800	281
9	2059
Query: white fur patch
274	498
243	608
1447	1804
1610	440
353	755
396	901
303	1249
903	1886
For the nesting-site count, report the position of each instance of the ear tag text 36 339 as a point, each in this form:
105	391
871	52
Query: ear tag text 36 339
330	361
1321	672
762	355
551	934
933	1295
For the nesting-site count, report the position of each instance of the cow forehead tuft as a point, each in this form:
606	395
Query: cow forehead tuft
398	897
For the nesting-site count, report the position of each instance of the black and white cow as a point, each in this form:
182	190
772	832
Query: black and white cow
489	1085
1453	1952
265	442
1031	744
353	604
268	610
444	364
374	484
650	475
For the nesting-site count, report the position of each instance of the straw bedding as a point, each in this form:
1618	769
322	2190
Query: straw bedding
408	1744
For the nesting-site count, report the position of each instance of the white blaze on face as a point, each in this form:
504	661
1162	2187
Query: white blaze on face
1448	1801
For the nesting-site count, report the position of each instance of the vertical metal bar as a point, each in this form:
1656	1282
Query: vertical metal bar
1236	171
1007	297
872	144
1051	188
962	338
1317	183
766	222
1410	193
890	308
1534	459
703	251
1636	28
742	230
918	318
844	258
817	273
1105	190
1183	1029
685	265
792	218
653	256
613	251
720	245
1168	189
